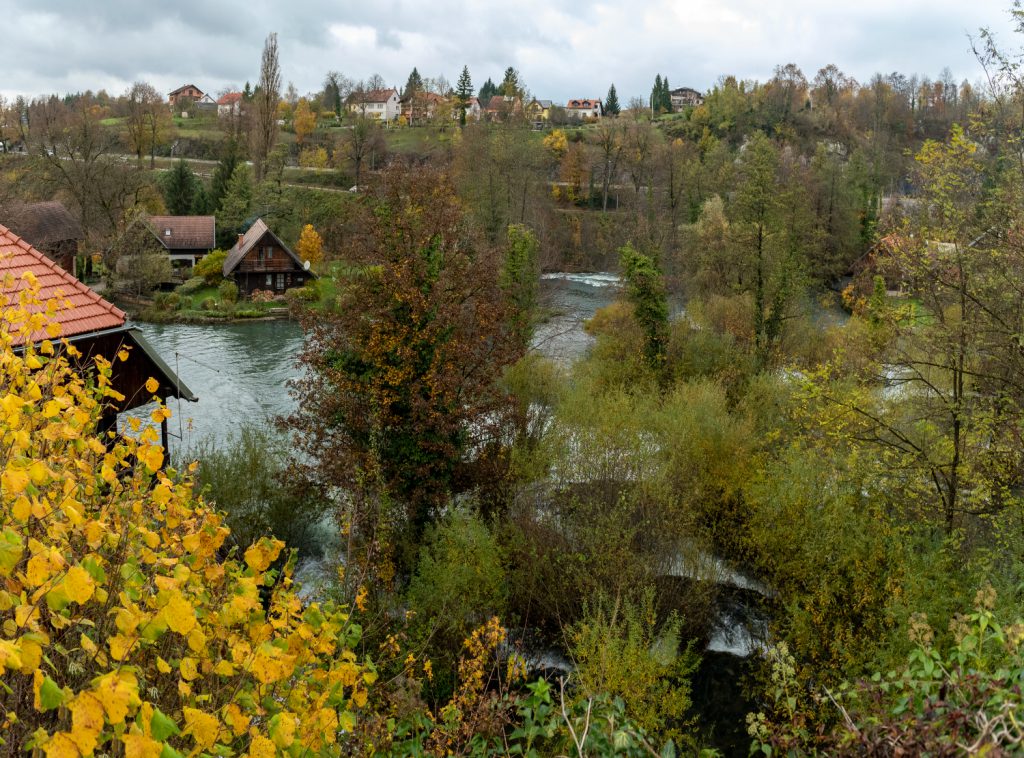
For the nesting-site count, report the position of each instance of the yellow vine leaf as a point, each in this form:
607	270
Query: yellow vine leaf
61	746
86	721
117	691
261	747
179	614
138	745
203	727
78	585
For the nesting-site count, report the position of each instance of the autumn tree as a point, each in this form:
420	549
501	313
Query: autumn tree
337	87
400	391
147	121
73	153
268	93
310	246
303	121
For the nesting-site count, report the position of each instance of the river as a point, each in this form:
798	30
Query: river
240	372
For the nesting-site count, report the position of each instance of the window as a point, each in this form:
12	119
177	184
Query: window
268	252
270	281
280	281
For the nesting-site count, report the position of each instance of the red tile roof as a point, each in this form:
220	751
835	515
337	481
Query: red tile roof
88	312
583	103
230	98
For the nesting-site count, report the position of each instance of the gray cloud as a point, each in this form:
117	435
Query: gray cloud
563	48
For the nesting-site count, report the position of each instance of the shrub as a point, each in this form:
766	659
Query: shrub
228	291
208	304
124	627
248	477
305	294
263	296
619	650
191	286
210	268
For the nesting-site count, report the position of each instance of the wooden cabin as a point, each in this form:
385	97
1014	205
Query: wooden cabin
261	261
94	326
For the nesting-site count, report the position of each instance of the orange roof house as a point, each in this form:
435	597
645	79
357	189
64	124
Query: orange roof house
89	322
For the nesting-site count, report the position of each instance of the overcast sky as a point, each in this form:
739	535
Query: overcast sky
562	48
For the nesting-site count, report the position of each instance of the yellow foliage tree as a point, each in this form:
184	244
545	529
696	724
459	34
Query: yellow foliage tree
304	121
311	246
123	628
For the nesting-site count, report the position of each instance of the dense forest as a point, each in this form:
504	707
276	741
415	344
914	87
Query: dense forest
800	424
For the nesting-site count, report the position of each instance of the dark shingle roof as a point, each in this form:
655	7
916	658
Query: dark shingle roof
43	224
185	232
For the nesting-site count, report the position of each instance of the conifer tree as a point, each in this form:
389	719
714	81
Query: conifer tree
182	190
611	102
413	84
464	91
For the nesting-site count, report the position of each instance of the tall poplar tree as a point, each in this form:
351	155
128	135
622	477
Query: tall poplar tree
265	100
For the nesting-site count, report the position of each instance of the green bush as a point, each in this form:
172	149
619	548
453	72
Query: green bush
208	304
191	286
228	291
210	268
307	294
459	583
620	650
249	478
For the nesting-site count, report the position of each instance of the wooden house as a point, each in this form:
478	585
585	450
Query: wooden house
92	325
261	261
50	228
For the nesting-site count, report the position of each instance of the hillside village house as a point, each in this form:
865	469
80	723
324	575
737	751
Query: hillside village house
539	110
421	106
584	108
261	261
93	326
501	107
180	96
229	104
381	104
50	228
685	97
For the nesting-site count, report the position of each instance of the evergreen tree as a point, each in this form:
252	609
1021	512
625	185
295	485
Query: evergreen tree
413	84
656	94
510	84
235	207
231	154
464	91
247	92
611	102
666	96
489	90
181	190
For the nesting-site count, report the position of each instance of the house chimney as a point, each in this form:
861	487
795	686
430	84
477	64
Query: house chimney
240	238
